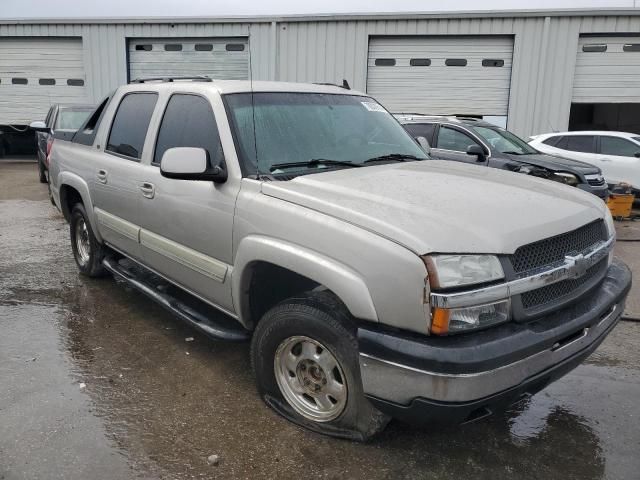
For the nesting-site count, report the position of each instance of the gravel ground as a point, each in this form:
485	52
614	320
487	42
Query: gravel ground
98	382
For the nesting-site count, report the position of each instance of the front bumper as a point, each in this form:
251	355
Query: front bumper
601	191
460	378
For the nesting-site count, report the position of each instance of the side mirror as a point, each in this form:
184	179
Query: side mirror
189	163
39	126
424	144
477	151
637	154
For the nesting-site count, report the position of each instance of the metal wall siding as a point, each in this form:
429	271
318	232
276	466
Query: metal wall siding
325	50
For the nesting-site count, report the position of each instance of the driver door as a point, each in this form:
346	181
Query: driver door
617	159
452	144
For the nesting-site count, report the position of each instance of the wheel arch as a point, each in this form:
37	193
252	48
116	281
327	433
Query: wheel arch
297	269
73	189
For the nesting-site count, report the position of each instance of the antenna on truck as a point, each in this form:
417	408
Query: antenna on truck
253	108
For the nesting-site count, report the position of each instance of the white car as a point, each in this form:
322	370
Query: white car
616	153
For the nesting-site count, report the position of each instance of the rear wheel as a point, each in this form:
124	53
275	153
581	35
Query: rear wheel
305	357
87	251
42	172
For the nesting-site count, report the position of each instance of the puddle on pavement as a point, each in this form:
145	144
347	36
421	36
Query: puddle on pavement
155	405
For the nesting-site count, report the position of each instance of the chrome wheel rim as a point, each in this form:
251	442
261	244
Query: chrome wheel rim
83	246
310	378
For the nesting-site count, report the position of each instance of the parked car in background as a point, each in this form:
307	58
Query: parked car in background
372	281
478	142
617	154
64	119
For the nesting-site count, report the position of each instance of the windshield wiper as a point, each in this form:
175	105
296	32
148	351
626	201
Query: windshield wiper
398	157
509	152
314	162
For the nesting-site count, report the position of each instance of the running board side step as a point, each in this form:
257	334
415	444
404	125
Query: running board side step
208	320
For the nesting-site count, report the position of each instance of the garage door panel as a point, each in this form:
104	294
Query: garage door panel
438	88
33	59
218	62
609	76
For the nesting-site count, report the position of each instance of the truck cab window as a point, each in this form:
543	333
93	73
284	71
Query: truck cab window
188	121
130	124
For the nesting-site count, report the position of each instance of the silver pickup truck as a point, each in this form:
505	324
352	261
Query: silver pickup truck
373	281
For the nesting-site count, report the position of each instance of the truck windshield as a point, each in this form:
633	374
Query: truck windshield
301	133
504	141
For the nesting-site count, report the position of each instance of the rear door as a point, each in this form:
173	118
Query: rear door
452	143
576	147
617	156
117	172
187	225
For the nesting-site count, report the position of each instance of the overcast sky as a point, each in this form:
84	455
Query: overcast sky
215	8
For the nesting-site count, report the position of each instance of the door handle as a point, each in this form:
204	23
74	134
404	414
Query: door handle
102	176
148	189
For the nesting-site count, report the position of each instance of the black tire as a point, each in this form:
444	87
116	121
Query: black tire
320	316
91	263
3	150
53	202
42	171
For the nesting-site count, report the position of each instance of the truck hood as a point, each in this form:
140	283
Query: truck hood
442	206
554	163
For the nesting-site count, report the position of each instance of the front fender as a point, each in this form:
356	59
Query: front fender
76	182
340	279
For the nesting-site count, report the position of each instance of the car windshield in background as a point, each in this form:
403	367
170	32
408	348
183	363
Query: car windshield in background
298	133
504	141
637	139
72	119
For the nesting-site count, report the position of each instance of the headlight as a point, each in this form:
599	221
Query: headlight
566	178
447	271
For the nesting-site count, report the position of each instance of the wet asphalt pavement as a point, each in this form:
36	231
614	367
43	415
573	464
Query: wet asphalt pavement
97	382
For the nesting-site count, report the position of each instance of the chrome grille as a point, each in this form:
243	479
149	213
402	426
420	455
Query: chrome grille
595	180
556	291
553	250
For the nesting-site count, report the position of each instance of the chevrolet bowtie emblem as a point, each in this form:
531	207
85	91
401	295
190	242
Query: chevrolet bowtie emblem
578	265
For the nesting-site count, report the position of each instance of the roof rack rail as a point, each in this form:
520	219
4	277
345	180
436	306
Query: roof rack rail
194	78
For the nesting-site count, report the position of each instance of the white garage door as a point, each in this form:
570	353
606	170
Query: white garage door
607	70
36	72
221	58
441	75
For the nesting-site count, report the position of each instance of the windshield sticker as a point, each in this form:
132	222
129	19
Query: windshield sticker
373	107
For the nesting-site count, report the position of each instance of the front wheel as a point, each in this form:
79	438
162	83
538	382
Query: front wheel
87	251
304	354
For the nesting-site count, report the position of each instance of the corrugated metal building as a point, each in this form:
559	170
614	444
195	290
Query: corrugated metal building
535	71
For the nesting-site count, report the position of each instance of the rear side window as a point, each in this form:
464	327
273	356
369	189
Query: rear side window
130	125
86	134
618	146
580	143
421	130
188	121
552	141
